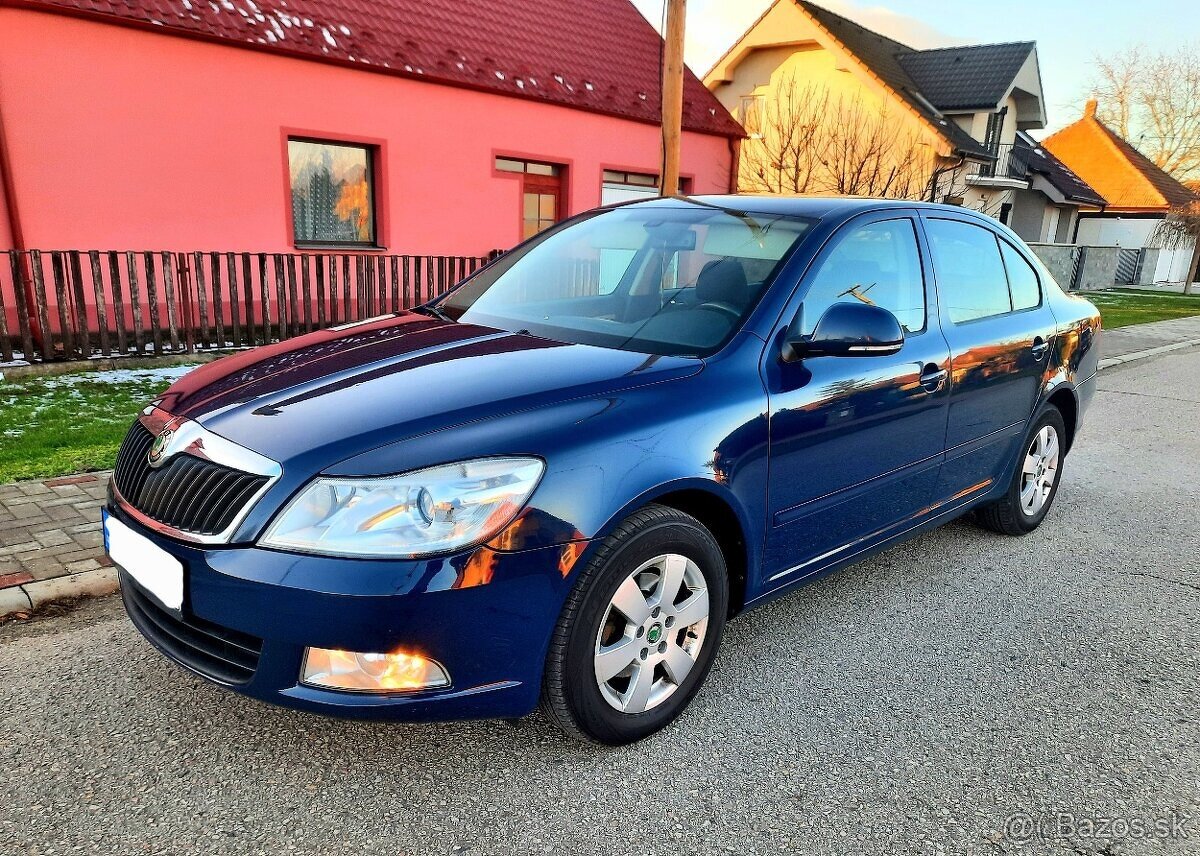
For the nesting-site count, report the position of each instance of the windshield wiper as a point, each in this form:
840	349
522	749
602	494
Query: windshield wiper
434	310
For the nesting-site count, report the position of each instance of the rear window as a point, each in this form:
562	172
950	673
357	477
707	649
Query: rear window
971	279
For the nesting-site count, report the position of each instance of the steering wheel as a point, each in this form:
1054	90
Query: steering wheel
722	307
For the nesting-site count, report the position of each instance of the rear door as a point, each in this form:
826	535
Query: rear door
1000	329
855	442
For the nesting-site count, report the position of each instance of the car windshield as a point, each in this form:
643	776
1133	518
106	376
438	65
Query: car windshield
661	280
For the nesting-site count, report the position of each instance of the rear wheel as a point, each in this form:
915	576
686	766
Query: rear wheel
639	631
1034	483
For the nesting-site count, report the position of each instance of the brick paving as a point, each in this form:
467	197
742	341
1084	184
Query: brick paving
1123	341
50	529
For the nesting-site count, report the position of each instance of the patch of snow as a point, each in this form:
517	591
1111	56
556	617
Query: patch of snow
520	83
187	5
329	37
70	383
499	75
343	29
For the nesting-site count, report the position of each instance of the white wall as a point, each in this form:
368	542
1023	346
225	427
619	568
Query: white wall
1172	265
1127	232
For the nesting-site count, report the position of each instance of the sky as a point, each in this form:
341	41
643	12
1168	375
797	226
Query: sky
1069	33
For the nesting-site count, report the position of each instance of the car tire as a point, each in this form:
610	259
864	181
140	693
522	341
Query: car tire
1035	479
633	571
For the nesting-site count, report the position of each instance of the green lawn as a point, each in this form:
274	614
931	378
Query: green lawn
69	423
1120	307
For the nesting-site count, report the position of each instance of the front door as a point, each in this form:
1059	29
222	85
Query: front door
855	442
1000	330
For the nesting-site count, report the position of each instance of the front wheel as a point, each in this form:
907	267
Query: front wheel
639	631
1034	483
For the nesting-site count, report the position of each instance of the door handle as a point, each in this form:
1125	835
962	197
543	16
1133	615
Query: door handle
932	377
1040	347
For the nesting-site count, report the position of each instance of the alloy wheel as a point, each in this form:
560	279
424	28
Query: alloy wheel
652	633
1039	470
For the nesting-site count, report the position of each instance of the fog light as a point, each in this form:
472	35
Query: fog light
371	673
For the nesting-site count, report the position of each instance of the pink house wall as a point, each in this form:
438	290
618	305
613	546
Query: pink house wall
127	139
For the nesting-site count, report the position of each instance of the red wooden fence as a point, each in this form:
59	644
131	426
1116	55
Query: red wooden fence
76	304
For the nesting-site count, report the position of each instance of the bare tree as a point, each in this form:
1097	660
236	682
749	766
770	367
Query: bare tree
783	152
807	140
1153	100
1179	230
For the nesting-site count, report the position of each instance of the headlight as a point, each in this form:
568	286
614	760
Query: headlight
421	513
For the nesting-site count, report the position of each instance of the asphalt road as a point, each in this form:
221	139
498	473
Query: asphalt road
912	704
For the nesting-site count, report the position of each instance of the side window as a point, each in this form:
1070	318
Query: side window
971	280
1022	279
878	264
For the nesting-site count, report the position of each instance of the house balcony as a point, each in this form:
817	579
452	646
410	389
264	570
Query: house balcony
1010	169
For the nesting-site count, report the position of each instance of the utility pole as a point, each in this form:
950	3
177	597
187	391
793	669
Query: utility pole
672	97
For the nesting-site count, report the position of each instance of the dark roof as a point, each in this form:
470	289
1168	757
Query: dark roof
883	56
1067	183
1172	190
967	78
597	55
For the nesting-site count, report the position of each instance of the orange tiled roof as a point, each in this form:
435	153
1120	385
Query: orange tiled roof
1129	180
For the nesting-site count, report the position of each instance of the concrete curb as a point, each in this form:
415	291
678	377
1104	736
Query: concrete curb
34	595
1150	352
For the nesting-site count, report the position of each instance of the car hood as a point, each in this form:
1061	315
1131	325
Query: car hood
332	394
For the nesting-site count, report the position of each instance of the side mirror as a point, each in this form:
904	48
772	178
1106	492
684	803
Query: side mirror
848	330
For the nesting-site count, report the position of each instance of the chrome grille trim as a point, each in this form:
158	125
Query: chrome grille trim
219	488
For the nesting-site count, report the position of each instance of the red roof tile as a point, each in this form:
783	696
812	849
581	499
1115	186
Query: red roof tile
598	55
1125	177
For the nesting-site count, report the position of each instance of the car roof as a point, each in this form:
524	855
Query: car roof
815	207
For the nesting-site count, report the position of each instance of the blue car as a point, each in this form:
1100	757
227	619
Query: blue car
555	484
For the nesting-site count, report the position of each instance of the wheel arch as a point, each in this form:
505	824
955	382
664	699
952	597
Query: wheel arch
1065	400
719	512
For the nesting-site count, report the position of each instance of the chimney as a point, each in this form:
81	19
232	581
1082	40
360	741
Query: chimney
1089	111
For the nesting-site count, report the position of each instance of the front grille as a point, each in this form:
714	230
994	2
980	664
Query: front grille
186	493
217	652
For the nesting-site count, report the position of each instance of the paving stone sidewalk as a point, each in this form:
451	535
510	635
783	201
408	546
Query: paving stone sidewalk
1123	342
51	546
50	541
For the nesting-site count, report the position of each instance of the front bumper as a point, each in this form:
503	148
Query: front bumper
486	615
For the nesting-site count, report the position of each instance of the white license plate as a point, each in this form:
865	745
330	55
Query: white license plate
155	570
